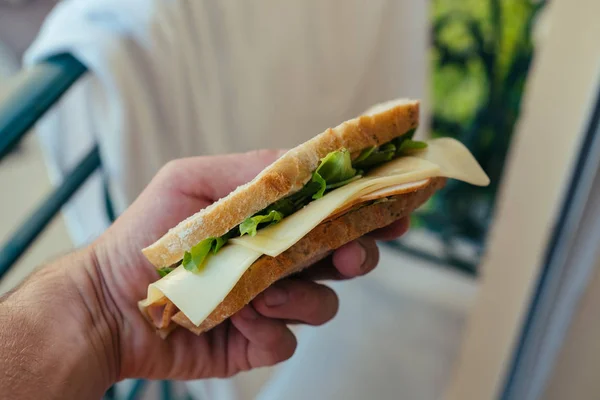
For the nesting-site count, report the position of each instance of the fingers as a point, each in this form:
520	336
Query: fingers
353	259
262	324
298	300
392	231
356	258
269	341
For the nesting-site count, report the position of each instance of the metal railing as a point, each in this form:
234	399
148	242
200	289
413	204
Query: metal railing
29	96
31	93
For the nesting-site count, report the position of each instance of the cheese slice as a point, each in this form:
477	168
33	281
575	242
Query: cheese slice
276	239
454	160
198	294
391	191
380	194
443	157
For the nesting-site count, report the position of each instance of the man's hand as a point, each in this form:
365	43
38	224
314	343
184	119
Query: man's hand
113	275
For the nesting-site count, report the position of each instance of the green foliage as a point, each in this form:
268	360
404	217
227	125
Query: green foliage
463	33
481	55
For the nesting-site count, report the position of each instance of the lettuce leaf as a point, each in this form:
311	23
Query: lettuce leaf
405	143
194	259
250	225
365	154
335	167
409	135
334	170
164	271
317	178
383	153
219	242
409	145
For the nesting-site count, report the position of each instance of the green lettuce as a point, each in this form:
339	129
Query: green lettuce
164	271
372	157
250	225
335	167
409	145
408	135
335	170
364	154
405	143
194	259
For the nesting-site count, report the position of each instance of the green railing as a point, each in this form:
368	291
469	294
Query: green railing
30	94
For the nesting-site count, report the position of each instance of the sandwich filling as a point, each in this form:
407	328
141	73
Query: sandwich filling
335	170
197	295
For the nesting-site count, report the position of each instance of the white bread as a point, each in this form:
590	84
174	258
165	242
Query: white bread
285	176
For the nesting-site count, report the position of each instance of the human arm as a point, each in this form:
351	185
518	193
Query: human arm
73	328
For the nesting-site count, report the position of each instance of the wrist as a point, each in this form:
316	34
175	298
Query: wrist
56	333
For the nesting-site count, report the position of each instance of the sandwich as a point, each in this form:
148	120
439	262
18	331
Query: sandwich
360	176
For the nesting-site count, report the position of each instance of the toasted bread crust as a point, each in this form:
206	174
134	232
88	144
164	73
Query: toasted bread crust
316	245
285	176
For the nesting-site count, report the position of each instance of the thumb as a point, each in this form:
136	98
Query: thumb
214	177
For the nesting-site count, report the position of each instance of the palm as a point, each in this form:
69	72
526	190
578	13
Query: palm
172	196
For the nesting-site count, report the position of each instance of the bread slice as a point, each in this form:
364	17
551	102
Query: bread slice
285	176
316	245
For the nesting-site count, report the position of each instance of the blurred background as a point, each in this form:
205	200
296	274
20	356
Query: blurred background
479	58
478	63
20	21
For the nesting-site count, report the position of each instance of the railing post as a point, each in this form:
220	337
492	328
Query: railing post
31	93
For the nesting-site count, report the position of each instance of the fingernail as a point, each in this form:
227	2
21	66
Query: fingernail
275	296
249	313
362	254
